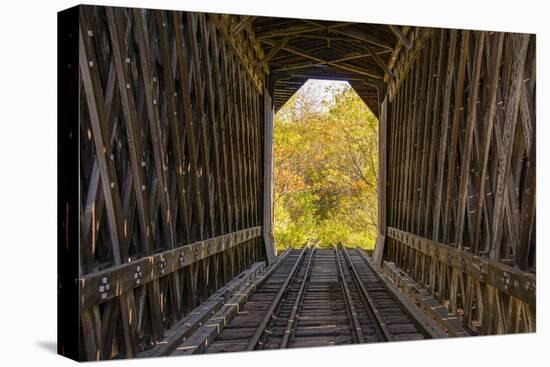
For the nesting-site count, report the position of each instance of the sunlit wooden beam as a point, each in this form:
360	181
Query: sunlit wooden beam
275	50
401	37
244	23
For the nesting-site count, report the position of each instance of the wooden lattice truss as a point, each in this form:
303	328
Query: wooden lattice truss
174	130
171	131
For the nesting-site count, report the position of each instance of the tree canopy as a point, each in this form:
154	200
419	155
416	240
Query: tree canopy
325	169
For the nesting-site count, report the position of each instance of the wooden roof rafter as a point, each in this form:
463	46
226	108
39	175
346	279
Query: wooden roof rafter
244	23
338	64
300	49
379	61
287	32
328	74
401	36
351	30
356	55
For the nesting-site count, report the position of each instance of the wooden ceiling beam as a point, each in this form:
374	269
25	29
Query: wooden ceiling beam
328	74
368	37
401	37
290	31
245	22
379	61
362	35
329	38
275	50
351	56
313	57
322	76
329	27
308	64
289	57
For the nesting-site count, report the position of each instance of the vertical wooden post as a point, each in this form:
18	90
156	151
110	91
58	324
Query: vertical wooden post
268	178
382	134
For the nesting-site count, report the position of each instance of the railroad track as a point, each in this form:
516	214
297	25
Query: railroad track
312	297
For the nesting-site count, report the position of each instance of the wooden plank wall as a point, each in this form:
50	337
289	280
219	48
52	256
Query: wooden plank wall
461	174
171	172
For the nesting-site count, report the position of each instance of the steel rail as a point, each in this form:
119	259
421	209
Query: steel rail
269	314
426	329
373	311
357	330
205	330
298	301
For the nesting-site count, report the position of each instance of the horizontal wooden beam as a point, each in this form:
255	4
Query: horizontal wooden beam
363	36
103	285
328	73
509	280
447	320
351	56
288	31
319	60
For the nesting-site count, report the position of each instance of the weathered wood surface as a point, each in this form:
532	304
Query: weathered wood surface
421	319
461	173
186	326
449	322
171	123
203	337
299	49
103	285
315	297
506	279
175	153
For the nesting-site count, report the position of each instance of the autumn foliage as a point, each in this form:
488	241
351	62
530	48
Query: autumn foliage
325	168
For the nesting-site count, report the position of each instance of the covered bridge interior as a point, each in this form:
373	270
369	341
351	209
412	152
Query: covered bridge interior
175	131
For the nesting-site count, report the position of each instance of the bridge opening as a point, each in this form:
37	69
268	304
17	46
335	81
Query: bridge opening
325	168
